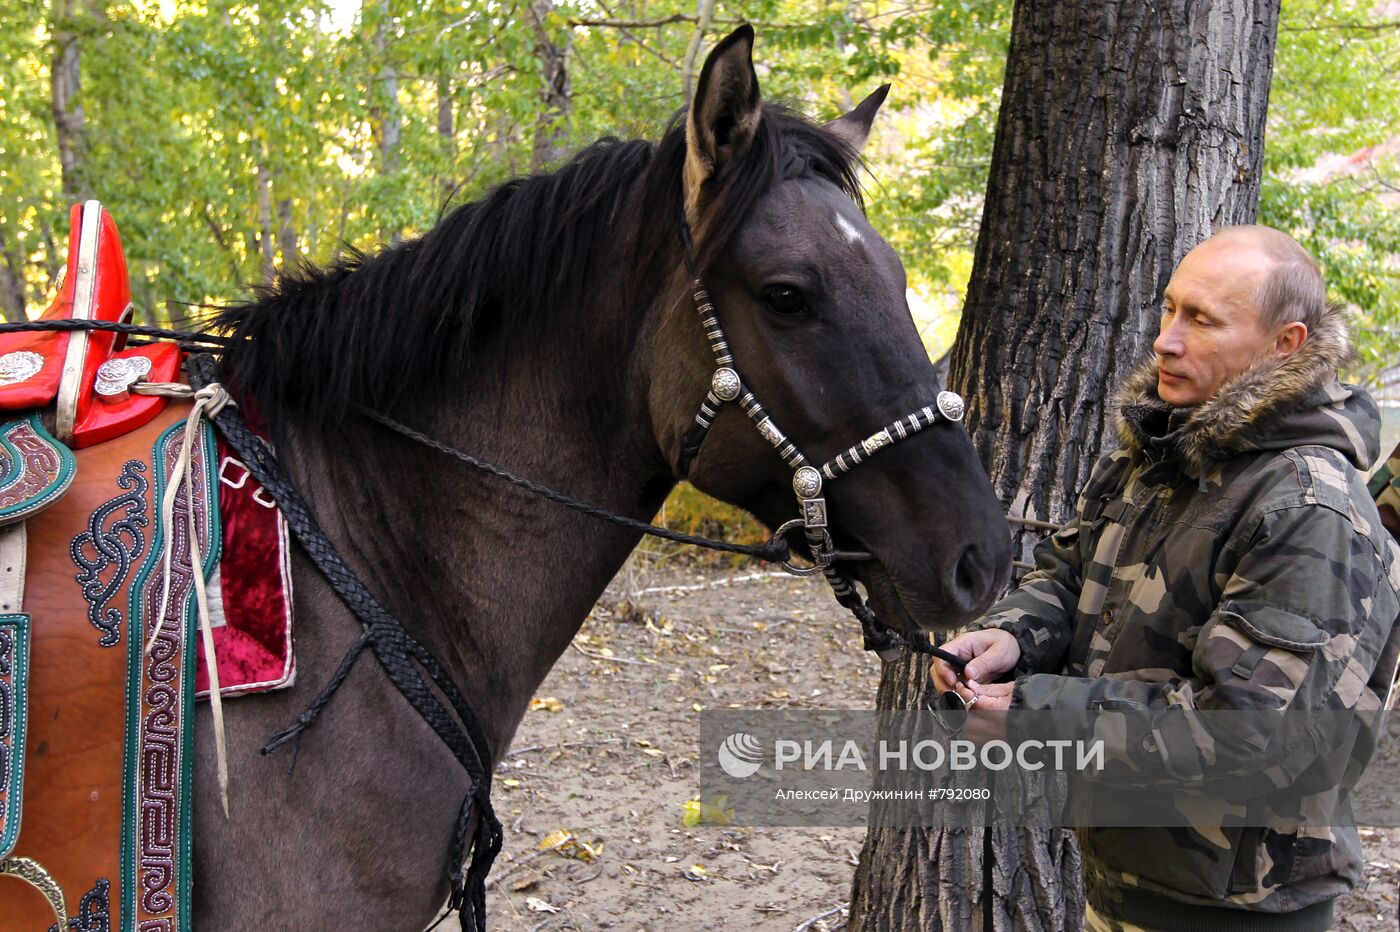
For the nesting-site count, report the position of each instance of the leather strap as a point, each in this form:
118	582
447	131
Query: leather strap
13	553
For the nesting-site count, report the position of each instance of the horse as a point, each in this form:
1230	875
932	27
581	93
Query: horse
548	327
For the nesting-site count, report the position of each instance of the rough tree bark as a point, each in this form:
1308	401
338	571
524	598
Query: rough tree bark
556	94
385	113
267	247
1128	132
65	82
12	291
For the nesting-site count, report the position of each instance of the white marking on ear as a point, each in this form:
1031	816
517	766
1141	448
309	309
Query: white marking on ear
848	230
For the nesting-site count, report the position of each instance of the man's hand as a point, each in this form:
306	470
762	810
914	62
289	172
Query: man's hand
989	653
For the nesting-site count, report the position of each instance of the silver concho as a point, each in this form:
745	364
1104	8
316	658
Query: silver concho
19	366
876	441
725	384
116	376
950	405
807	482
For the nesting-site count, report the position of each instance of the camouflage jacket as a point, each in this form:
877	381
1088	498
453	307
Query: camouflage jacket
1227	557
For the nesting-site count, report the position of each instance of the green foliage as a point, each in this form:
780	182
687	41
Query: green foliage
1331	174
691	511
231	138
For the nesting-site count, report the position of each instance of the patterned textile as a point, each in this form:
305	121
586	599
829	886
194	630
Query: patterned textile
14	695
1228	557
251	589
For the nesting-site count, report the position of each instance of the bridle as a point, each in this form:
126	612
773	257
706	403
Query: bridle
419	675
808	481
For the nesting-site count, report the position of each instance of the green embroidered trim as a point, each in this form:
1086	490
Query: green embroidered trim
17	708
135	672
52	490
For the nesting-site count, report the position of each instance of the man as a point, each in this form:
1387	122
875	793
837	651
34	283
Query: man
1228	557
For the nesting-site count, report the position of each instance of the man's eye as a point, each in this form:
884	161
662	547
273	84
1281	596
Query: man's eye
785	300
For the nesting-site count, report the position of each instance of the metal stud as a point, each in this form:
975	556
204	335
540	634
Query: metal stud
807	482
116	376
950	405
814	512
19	366
725	384
875	441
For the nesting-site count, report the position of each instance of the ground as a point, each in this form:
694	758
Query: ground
609	755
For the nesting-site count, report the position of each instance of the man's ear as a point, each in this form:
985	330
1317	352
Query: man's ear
1291	339
723	116
854	128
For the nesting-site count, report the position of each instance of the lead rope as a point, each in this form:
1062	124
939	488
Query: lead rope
207	402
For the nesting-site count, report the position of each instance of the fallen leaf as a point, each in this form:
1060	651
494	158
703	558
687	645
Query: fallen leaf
539	905
694	812
695	872
555	839
547	703
526	882
511	783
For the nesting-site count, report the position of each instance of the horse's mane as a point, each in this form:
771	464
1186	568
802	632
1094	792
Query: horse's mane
382	330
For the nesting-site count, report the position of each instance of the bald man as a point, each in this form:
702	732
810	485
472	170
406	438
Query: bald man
1227	557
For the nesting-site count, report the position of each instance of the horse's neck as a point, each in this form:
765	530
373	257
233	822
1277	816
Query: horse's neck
494	579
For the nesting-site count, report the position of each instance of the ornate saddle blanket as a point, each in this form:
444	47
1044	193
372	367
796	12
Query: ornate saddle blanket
97	683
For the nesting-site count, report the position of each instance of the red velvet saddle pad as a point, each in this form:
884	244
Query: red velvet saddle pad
253	611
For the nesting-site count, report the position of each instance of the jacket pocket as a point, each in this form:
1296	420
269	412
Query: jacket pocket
1263	861
1275	627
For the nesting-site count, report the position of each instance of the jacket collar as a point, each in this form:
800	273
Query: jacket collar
1244	409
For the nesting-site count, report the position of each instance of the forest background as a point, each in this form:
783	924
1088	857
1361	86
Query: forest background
231	140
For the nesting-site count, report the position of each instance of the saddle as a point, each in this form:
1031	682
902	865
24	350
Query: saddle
86	374
101	656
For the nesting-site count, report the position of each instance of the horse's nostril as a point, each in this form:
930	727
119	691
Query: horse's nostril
970	579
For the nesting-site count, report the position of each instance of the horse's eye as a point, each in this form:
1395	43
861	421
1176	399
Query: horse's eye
785	300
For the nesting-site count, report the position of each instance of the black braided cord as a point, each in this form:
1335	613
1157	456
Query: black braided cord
775	550
402	658
184	337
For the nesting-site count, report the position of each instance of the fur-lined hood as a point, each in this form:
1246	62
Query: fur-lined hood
1270	406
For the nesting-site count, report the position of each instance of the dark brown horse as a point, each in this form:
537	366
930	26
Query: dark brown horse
548	328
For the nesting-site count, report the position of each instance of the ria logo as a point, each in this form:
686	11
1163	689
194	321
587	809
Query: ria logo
740	755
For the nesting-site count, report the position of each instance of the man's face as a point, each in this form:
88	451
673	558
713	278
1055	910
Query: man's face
1211	329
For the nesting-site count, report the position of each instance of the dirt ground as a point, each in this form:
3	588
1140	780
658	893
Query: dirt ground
609	756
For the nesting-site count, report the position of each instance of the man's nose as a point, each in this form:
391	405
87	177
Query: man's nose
1168	342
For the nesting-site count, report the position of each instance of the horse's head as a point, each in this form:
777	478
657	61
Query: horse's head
812	301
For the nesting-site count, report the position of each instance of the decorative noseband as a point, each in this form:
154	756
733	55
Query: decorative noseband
727	386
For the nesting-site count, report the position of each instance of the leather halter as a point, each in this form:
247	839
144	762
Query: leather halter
727	387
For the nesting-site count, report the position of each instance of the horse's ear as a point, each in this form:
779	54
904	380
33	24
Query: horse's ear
723	115
854	128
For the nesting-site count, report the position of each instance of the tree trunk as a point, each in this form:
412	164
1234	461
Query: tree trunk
266	246
1128	132
385	112
556	96
65	81
12	297
704	12
447	137
286	234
